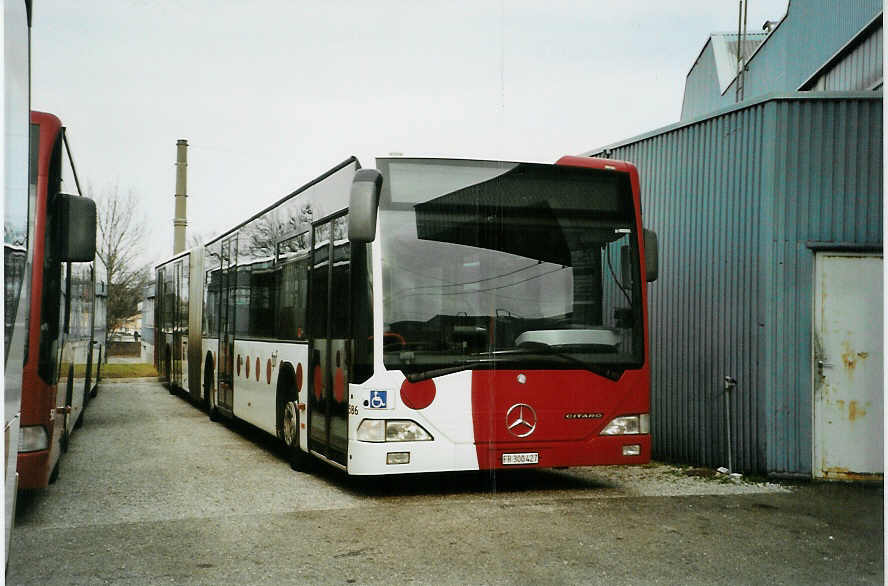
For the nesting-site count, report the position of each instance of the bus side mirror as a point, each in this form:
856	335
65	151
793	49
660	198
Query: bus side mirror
77	221
651	255
363	204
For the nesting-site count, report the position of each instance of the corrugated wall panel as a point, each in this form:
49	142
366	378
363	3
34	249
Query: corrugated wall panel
828	189
735	200
861	69
701	187
702	93
791	54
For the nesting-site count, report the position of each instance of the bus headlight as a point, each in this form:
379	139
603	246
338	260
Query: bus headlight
391	430
628	425
405	431
33	438
371	430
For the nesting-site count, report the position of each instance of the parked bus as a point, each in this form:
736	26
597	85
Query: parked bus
177	322
17	234
436	315
66	319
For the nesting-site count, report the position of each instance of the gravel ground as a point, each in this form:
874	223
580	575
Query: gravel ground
153	492
657	479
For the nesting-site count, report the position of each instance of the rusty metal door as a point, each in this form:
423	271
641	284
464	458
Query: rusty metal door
847	369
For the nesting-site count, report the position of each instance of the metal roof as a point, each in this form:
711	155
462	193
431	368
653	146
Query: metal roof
777	96
724	50
808	36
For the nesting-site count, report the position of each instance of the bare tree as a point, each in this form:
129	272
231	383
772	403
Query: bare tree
121	235
196	239
266	232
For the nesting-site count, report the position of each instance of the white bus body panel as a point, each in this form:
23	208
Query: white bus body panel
448	419
255	392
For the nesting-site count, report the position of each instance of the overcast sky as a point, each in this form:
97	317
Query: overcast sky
272	93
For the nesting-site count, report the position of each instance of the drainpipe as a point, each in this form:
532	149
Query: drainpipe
730	385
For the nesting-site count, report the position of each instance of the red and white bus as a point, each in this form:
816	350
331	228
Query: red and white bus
17	233
435	315
67	313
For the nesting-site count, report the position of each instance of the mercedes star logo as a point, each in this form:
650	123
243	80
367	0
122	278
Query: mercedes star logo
521	420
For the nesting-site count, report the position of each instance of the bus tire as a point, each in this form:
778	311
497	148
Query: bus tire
54	475
79	423
169	371
69	394
214	411
95	389
63	441
288	422
209	376
208	383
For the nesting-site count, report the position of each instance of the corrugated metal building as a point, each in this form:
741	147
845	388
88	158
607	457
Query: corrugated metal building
811	39
741	201
745	201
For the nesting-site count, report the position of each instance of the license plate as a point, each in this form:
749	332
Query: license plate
525	458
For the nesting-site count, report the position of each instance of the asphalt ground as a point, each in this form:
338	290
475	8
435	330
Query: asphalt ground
152	492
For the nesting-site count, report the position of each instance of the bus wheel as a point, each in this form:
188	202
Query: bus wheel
95	389
298	459
288	424
208	384
212	409
79	423
69	400
208	388
169	371
54	475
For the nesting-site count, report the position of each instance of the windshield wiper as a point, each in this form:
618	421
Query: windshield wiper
527	350
432	373
542	349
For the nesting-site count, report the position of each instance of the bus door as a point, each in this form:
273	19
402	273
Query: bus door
330	349
65	357
226	323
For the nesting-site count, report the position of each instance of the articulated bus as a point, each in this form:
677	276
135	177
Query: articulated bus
178	328
428	315
66	318
17	233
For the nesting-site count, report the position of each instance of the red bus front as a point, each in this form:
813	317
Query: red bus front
510	319
59	329
37	451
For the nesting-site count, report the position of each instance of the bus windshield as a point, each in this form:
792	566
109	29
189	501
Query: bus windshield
492	264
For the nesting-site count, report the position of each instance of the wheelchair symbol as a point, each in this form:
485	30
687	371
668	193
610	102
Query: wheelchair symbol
378	399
